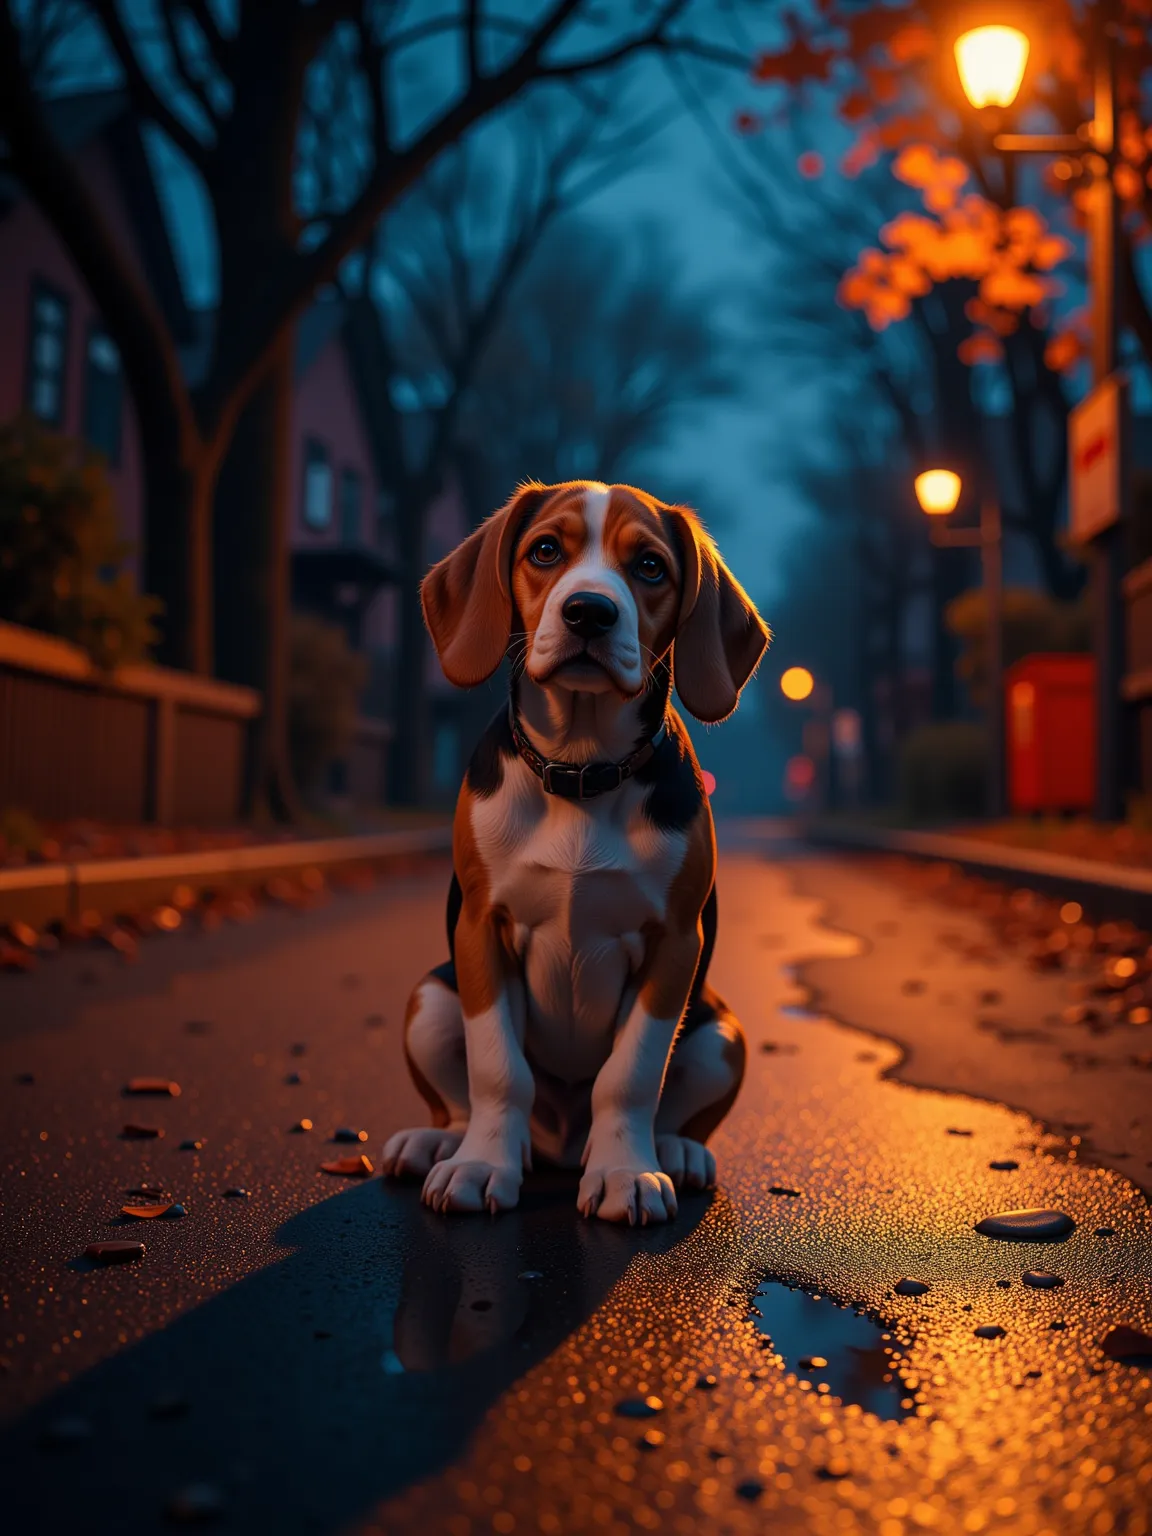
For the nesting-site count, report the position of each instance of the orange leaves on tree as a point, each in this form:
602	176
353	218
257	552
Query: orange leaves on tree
796	63
861	155
856	106
1065	351
980	347
810	164
911	43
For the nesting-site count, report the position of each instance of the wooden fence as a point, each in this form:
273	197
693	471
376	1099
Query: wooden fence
142	744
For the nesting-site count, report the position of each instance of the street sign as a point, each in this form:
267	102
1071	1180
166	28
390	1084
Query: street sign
846	732
1096	448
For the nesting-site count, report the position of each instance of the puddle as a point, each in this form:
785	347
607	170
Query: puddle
831	1346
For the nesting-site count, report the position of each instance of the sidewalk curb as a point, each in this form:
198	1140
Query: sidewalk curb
57	892
1109	890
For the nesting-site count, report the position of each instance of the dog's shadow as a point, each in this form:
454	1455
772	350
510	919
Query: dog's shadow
333	1378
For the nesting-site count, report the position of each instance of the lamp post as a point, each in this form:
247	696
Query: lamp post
991	61
938	492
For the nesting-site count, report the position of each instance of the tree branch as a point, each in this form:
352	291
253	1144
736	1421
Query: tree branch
145	97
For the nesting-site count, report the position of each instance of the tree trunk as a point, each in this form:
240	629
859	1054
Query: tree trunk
177	553
409	756
252	577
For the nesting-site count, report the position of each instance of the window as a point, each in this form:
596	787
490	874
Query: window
350	504
103	395
47	354
317	485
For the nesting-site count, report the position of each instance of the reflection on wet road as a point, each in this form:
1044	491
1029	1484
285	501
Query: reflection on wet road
350	1363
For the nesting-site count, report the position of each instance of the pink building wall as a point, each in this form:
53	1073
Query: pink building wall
325	407
29	250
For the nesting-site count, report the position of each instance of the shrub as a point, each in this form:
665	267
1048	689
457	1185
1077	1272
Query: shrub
61	553
325	680
943	770
1033	622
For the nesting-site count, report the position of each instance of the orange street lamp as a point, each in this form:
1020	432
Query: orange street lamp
991	61
797	684
938	492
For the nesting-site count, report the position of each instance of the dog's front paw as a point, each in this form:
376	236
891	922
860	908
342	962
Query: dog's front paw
638	1196
688	1163
411	1154
462	1183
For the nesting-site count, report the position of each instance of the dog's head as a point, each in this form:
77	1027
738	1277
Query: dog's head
596	584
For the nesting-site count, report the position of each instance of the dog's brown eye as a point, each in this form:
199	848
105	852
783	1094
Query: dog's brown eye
545	551
650	567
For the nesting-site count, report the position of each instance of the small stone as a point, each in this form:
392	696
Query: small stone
1105	1232
197	1504
114	1252
751	1489
133	1132
1058	1326
639	1407
954	1130
161	1085
1026	1226
302	1125
1003	1284
812	1363
1041	1280
169	1405
294	1079
1124	1343
908	1287
236	1193
1004	1165
175	1211
651	1440
191	1146
707	1383
782	1189
990	1331
530	1274
63	1433
349	1167
346	1133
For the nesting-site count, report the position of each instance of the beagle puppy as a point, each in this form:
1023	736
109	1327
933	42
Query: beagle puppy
573	1022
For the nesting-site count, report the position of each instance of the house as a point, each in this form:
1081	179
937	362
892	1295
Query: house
58	363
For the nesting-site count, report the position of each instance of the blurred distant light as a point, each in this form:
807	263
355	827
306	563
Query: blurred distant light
799	776
991	61
938	491
797	683
709	781
1071	912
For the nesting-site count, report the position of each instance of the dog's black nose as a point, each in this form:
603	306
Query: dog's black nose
589	614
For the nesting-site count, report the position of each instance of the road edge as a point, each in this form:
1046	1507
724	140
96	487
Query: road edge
61	892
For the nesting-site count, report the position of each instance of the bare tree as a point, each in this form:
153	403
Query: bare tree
233	93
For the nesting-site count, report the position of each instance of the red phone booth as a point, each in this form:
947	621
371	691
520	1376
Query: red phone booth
1050	733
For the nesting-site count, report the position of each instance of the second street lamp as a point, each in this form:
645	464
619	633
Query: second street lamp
938	492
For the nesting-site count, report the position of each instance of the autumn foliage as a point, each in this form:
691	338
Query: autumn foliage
888	70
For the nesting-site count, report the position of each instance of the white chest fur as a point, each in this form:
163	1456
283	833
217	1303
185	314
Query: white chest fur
583	881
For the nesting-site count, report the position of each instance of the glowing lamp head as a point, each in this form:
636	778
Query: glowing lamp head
991	61
797	684
938	491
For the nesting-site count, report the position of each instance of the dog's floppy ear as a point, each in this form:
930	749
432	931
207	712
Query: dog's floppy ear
720	637
467	596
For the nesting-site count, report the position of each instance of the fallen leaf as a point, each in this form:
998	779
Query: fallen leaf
349	1167
153	1085
146	1212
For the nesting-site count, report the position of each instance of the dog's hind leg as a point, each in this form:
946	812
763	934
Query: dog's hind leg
703	1079
434	1050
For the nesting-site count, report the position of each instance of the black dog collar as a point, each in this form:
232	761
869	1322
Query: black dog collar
580	781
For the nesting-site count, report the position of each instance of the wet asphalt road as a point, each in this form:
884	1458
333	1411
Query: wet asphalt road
325	1356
